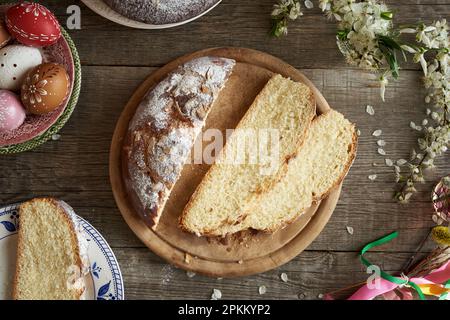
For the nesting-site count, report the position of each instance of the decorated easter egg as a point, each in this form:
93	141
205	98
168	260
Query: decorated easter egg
12	112
4	35
15	62
33	24
45	88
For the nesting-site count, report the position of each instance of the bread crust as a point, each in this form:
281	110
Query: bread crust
266	185
149	171
74	242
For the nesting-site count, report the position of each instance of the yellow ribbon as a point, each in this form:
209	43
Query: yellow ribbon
433	289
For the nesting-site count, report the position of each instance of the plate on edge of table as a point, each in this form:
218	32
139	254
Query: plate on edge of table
249	253
104	281
104	10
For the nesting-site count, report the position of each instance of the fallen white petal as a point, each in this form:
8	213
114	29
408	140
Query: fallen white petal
381	151
262	289
309	4
370	110
389	162
381	143
284	277
216	295
372	177
350	230
377	133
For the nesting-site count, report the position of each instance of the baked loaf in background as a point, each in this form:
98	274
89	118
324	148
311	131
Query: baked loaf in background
318	166
160	11
219	202
164	129
51	249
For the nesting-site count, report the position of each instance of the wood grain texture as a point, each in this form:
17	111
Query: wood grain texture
116	60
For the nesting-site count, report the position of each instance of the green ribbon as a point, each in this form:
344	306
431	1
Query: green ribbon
383	274
445	294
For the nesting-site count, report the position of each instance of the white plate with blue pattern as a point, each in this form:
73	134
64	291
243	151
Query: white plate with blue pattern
104	282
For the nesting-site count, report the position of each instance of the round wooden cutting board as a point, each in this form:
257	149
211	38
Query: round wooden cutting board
239	255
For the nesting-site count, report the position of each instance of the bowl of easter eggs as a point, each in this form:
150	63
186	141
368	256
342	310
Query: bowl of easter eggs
40	76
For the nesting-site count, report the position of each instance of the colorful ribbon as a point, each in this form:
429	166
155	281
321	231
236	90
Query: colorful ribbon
437	283
385	275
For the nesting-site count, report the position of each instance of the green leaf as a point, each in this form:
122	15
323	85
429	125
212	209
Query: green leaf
388	47
389	42
277	28
342	34
388	15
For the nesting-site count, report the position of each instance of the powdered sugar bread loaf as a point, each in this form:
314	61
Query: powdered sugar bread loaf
164	128
52	252
320	164
218	204
160	11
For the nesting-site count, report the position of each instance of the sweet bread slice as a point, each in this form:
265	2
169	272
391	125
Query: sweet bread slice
320	165
283	107
51	253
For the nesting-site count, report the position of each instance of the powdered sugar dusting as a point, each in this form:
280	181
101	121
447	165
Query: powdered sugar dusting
168	152
165	126
161	11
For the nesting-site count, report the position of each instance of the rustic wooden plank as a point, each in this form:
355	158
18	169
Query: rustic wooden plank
75	167
311	274
310	44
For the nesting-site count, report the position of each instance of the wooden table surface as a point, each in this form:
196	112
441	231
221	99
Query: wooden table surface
117	59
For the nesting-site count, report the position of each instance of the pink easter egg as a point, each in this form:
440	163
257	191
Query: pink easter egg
12	112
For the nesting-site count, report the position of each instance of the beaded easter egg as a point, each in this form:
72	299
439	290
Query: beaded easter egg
33	24
12	112
15	62
45	88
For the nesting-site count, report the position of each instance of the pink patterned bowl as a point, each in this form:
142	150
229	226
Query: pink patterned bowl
38	129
